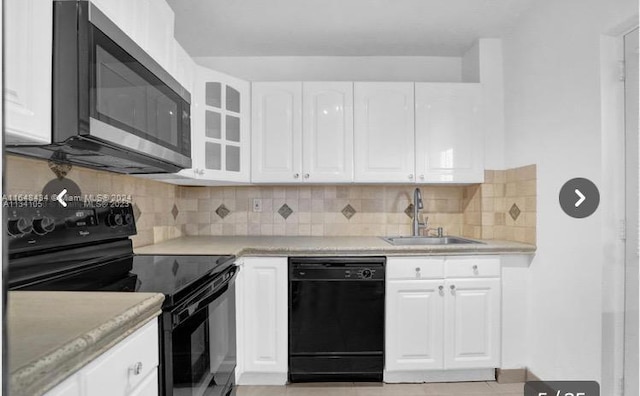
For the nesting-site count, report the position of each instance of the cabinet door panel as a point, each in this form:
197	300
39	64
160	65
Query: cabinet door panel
276	132
148	386
449	133
110	373
328	132
264	315
220	134
414	328
27	68
472	323
384	132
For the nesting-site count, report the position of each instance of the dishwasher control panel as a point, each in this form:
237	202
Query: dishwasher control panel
336	270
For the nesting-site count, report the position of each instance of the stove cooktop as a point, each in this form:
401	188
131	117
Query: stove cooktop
176	276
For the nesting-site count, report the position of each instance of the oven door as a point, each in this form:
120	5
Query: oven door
200	351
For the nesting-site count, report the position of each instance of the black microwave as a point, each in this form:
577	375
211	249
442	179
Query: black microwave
113	106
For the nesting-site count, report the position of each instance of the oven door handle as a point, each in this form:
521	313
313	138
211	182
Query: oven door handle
202	302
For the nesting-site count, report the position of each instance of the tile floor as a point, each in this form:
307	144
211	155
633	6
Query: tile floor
360	389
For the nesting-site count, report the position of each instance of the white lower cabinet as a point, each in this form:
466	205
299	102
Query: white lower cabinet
262	312
472	323
414	341
442	314
129	368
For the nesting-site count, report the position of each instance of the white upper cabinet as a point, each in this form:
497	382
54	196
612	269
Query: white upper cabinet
302	132
276	129
27	71
219	128
147	22
384	132
449	133
327	132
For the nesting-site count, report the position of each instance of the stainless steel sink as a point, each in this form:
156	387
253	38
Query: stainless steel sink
422	240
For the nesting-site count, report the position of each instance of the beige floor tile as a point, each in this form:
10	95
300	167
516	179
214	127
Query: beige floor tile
391	390
501	389
261	391
459	388
321	389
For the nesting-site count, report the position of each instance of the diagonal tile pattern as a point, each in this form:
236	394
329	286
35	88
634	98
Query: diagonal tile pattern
222	211
285	211
348	211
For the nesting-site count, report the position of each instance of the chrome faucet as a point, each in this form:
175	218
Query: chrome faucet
417	205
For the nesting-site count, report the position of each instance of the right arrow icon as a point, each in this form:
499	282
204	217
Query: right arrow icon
582	197
581	207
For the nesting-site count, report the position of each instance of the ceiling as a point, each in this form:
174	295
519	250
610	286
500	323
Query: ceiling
340	27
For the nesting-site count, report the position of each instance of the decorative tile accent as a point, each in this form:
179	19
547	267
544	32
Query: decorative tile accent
285	211
174	211
136	212
348	211
514	211
409	211
222	211
174	267
60	169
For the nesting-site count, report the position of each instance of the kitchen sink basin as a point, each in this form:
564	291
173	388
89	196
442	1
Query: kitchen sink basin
422	240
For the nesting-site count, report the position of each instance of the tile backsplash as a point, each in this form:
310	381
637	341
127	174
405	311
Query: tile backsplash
165	211
316	210
503	207
153	201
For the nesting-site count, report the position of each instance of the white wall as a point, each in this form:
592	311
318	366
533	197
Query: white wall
338	68
552	118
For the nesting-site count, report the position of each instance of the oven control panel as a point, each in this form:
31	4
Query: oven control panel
37	227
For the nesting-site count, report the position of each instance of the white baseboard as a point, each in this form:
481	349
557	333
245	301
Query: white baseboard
488	374
263	379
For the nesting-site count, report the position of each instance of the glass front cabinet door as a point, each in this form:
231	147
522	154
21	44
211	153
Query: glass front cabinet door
220	128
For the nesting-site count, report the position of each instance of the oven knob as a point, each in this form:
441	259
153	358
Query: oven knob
127	219
366	273
43	226
114	220
19	226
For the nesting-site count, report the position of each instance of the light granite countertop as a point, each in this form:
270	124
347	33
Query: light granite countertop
319	246
53	334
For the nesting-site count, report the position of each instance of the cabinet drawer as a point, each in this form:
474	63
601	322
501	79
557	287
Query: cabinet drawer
414	268
472	267
113	372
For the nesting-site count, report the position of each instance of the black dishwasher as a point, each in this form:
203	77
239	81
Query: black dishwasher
336	318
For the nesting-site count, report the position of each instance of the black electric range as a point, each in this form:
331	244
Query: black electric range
87	248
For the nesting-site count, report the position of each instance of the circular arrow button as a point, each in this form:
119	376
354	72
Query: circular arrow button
579	198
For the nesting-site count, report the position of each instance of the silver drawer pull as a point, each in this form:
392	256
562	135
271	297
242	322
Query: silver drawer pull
475	267
136	369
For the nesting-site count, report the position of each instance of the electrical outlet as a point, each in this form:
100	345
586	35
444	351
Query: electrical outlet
257	205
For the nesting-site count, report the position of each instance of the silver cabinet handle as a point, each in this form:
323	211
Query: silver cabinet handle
306	175
417	269
421	177
296	175
136	369
411	176
440	287
475	267
453	287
